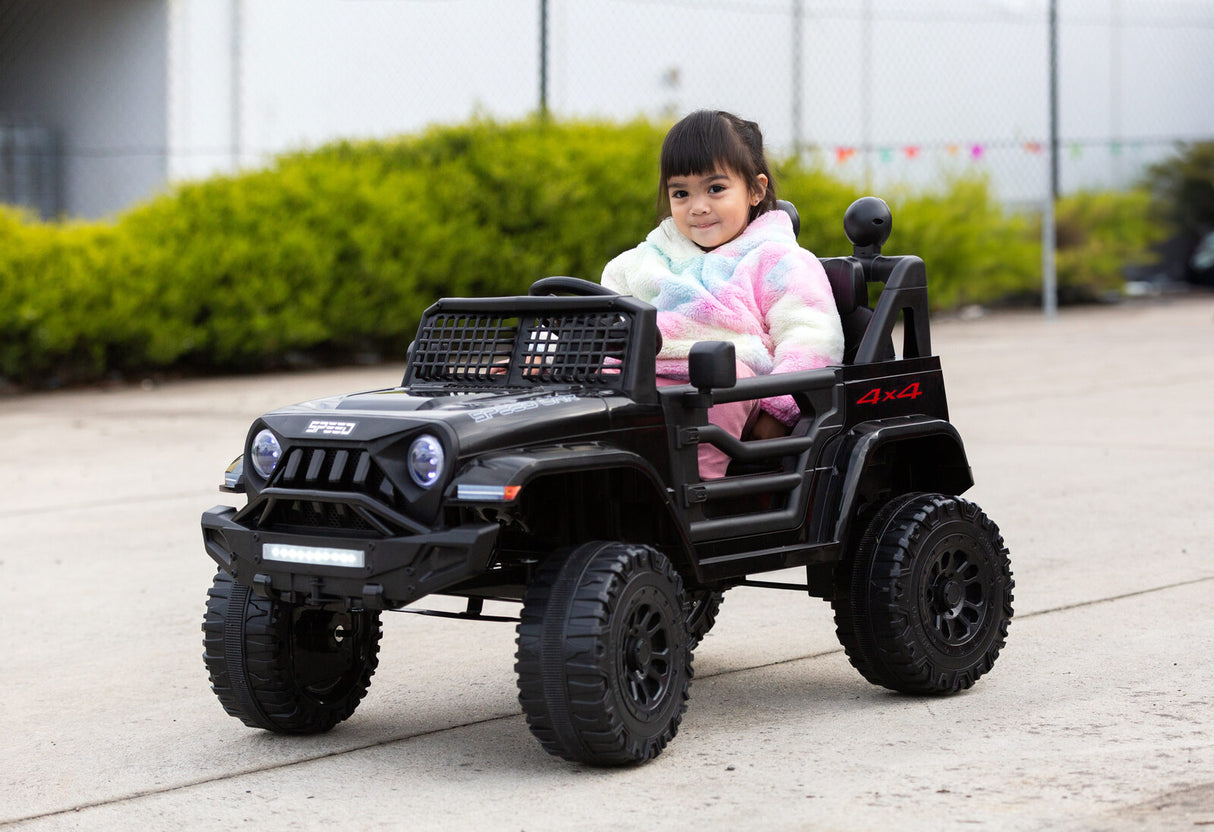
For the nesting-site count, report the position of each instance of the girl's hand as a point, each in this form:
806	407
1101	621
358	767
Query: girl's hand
767	427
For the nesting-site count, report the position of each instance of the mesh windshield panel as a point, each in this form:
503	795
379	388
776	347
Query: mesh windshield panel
467	348
576	348
560	348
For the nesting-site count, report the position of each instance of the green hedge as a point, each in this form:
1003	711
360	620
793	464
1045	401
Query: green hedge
1099	234
975	252
978	252
335	252
1183	189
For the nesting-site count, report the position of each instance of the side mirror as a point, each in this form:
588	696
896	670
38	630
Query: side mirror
712	365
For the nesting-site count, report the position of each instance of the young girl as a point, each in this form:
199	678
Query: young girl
724	265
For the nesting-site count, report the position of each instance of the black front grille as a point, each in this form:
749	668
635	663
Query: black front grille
335	469
342	470
316	515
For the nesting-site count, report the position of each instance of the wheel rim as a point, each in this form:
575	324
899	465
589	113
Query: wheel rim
327	650
955	595
646	655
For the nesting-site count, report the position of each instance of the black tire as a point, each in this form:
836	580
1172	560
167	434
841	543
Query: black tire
701	607
286	668
604	662
924	602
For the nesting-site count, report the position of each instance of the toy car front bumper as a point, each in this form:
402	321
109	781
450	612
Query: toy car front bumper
395	571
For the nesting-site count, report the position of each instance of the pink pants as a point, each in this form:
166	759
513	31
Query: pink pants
733	417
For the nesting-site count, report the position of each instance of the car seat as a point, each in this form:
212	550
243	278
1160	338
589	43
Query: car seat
867	225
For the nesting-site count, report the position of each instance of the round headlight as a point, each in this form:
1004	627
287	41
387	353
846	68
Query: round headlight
265	453
425	460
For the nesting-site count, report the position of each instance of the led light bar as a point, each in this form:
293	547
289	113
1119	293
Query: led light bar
487	492
313	555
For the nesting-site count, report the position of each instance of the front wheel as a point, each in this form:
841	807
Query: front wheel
923	603
604	661
282	667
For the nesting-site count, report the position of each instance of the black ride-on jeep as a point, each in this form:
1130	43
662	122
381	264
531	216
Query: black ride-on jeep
529	456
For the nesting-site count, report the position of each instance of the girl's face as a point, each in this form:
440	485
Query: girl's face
713	207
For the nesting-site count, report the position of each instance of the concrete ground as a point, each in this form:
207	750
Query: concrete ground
1092	442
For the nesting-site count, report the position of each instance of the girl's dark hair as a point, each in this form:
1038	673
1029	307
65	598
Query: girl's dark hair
711	139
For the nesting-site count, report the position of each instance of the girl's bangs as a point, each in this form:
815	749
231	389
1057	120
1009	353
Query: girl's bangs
703	145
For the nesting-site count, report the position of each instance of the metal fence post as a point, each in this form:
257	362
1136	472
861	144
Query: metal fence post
543	59
1049	235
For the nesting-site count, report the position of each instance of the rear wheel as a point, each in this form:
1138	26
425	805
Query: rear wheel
604	662
923	604
282	667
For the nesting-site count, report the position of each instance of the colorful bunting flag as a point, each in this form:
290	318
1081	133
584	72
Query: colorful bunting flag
976	151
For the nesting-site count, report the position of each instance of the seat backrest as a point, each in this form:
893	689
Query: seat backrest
847	283
850	288
790	209
846	276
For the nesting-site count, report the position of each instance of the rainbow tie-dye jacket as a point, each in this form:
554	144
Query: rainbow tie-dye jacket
761	291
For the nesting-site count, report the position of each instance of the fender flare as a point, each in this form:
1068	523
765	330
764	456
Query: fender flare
862	444
492	473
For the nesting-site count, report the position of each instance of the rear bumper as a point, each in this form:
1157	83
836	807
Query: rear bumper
397	570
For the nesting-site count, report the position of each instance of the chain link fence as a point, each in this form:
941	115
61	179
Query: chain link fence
886	93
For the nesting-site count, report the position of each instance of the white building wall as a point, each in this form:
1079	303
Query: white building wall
249	79
144	91
93	71
891	91
203	88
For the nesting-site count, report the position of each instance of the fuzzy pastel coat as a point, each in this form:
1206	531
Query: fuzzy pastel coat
761	291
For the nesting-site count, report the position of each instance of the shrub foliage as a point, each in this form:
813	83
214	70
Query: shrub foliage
335	252
1183	189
